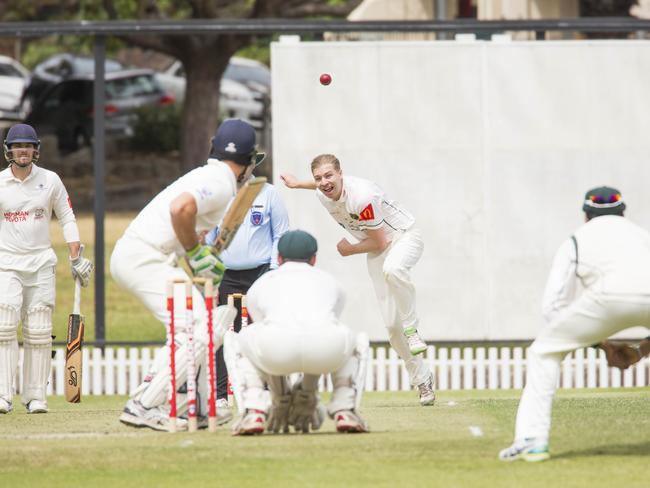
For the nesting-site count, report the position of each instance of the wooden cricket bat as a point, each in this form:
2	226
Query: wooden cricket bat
237	211
73	358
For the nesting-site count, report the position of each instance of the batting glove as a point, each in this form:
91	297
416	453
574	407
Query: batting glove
205	263
81	268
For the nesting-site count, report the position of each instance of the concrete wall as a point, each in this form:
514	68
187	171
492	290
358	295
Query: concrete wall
491	145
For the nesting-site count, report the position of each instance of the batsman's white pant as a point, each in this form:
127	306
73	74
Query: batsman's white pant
589	320
26	296
390	272
263	351
144	271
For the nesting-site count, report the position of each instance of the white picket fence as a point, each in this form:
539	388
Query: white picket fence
118	371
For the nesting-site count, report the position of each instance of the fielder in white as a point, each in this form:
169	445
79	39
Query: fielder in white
387	234
146	258
28	196
296	329
610	256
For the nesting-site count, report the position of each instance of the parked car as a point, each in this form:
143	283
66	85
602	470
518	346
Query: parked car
66	109
57	68
252	73
236	99
14	77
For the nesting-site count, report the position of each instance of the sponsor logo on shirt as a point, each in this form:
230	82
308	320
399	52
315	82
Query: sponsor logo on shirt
256	217
367	213
19	216
39	213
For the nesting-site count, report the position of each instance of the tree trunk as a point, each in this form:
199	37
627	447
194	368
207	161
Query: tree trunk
204	66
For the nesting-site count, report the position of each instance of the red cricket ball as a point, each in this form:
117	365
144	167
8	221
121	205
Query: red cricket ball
325	79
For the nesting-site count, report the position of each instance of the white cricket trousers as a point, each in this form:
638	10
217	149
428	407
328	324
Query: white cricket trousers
28	297
144	271
390	273
267	350
591	319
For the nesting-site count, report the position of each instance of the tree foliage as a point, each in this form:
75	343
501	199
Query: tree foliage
204	57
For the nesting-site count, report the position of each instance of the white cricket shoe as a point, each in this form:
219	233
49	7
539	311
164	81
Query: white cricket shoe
349	421
156	418
5	406
251	423
427	393
222	403
37	406
415	342
531	450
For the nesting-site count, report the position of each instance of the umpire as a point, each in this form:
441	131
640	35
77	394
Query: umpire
253	251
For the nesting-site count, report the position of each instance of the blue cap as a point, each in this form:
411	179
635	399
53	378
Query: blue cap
235	141
21	133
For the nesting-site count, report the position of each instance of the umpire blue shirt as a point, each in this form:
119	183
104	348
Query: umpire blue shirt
256	241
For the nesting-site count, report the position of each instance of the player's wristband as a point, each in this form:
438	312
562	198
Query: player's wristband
194	251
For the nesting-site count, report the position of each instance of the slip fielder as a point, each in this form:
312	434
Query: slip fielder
610	256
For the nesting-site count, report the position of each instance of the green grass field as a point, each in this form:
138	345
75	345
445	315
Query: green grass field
599	439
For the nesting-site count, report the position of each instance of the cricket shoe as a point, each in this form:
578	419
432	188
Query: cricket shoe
252	422
531	450
5	406
349	421
427	393
37	406
156	418
415	342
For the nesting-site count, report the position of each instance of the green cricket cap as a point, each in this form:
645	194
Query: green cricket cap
604	200
297	245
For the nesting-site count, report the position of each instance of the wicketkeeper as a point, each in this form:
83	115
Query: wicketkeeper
28	196
147	256
296	310
610	257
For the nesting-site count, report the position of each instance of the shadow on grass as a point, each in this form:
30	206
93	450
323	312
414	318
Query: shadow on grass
640	449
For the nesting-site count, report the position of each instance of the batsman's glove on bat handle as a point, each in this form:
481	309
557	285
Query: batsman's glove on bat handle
205	263
81	268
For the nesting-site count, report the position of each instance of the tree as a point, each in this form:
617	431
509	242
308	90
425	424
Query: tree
205	57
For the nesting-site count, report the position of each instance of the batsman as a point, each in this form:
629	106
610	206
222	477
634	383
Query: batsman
28	196
147	257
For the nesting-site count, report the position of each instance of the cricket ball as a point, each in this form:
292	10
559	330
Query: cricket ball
325	79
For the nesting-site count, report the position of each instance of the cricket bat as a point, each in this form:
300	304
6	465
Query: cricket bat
73	358
237	211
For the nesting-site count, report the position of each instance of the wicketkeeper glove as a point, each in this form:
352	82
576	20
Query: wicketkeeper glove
303	412
278	420
205	263
82	268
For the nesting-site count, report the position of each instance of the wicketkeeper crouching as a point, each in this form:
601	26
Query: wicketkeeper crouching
296	329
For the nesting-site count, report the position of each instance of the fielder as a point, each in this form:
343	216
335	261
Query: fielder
393	245
28	196
296	310
146	257
610	256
